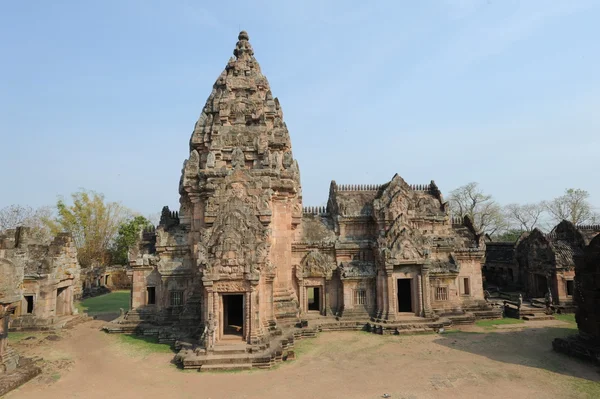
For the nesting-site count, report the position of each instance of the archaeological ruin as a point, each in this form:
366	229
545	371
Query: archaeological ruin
586	344
49	279
539	263
242	259
14	370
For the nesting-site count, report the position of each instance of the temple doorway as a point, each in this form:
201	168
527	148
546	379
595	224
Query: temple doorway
404	295
541	285
314	298
61	301
233	315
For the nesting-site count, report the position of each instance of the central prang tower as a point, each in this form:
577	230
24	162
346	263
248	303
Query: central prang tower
241	203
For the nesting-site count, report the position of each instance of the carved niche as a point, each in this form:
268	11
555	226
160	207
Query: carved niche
317	264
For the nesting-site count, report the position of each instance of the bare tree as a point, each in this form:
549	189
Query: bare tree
573	206
525	217
14	216
469	200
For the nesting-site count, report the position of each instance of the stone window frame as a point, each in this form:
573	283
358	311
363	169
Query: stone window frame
176	298
441	293
461	286
24	311
359	296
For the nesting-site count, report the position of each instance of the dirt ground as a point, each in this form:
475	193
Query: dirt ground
509	362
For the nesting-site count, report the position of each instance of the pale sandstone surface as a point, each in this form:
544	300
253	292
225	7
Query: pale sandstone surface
511	364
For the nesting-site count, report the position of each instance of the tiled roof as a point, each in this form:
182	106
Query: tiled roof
565	253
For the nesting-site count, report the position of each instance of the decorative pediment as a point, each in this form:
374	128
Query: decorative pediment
317	264
357	269
238	241
401	244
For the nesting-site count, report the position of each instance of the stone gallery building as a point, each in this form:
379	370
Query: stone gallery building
49	278
242	254
537	262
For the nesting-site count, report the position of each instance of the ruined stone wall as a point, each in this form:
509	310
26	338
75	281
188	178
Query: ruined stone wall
51	277
587	291
552	257
501	267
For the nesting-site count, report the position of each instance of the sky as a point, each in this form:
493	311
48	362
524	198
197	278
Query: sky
104	95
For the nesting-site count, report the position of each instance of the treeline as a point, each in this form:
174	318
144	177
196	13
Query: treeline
508	222
103	231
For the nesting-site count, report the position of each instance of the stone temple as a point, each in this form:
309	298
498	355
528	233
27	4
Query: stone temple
242	257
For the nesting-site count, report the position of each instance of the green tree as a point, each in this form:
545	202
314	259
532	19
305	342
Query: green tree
92	222
511	235
127	236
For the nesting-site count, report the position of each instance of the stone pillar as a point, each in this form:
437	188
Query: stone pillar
427	312
326	298
379	294
255	327
248	319
384	296
9	359
302	297
420	295
391	290
217	315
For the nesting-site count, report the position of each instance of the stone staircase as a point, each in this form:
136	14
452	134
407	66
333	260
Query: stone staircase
240	356
285	304
409	325
533	314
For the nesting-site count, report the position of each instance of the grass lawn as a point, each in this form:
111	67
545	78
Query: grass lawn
489	324
142	345
108	303
568	318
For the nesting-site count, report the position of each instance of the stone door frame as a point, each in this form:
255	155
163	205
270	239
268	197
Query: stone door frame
221	315
312	282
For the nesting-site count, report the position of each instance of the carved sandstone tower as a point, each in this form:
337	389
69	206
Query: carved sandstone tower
241	201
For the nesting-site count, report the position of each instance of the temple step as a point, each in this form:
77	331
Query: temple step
225	367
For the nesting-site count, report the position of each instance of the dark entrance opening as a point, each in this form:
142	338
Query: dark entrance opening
151	295
570	287
404	295
29	299
541	285
314	298
233	314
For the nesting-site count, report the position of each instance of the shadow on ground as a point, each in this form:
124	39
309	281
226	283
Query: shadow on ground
531	347
105	316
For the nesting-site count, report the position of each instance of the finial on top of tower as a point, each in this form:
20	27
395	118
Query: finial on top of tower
243	46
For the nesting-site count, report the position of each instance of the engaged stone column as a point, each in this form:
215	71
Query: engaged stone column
326	296
420	295
426	291
391	296
302	297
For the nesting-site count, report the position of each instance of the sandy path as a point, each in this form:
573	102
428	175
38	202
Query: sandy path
512	364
